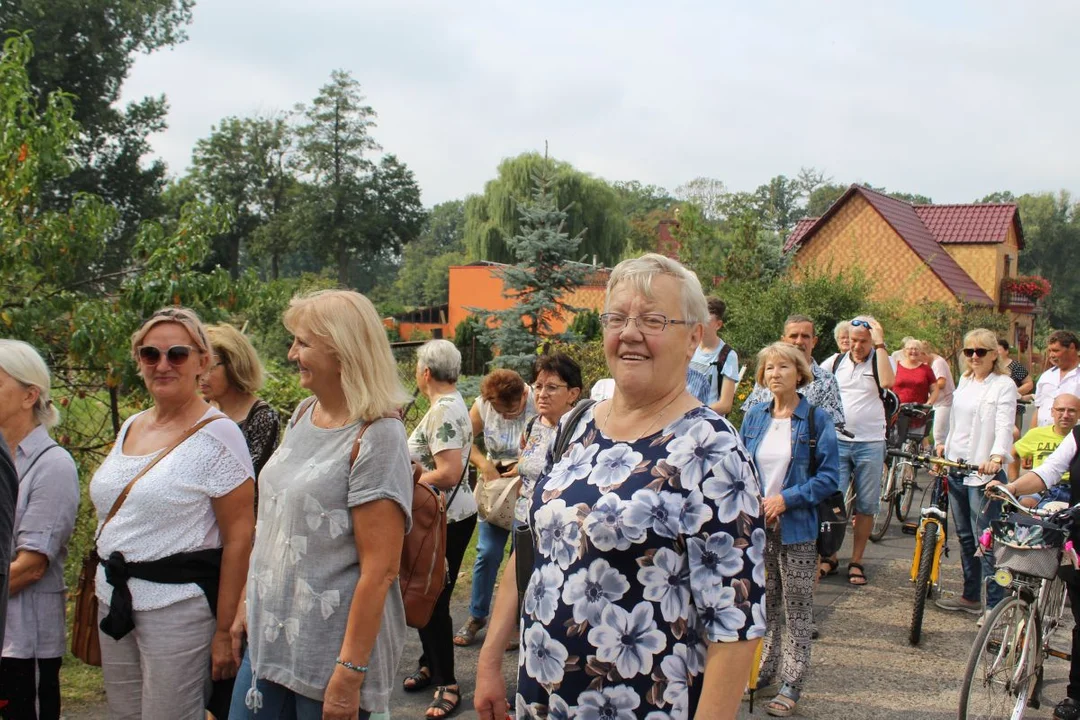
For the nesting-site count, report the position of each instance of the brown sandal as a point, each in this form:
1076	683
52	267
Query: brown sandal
858	580
419	680
441	703
466	636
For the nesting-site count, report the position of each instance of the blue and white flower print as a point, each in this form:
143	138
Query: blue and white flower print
656	511
696	450
667	581
757	614
614	466
628	639
720	619
542	594
591	589
605	526
693	513
558	709
610	703
677	674
756	553
545	657
713	560
558	532
734	488
576	464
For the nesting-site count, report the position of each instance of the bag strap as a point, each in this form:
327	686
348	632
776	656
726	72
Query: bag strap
36	458
305	404
360	436
562	437
719	363
160	456
813	442
837	360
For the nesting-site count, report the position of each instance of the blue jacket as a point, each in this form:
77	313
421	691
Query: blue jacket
801	492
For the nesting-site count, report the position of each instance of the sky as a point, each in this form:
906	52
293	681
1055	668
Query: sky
949	99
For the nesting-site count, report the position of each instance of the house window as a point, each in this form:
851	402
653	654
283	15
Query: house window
1008	266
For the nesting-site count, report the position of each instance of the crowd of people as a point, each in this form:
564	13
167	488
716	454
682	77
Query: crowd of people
251	570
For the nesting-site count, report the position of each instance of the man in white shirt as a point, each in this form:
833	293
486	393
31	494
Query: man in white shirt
714	369
1064	377
863	454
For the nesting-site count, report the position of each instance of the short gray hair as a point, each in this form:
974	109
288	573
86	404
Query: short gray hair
640	271
844	326
23	363
442	358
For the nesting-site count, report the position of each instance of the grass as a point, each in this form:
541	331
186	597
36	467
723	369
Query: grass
80	684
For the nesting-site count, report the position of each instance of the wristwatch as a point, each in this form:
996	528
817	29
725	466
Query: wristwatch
880	346
998	459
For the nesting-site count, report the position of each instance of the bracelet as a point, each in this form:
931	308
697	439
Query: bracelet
350	666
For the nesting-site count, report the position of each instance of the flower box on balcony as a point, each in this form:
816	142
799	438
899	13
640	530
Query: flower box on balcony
1032	287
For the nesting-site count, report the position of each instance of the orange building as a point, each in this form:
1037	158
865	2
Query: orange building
478	285
946	253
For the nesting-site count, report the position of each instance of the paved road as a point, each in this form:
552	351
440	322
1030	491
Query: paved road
862	665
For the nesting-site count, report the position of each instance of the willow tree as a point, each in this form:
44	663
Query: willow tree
493	219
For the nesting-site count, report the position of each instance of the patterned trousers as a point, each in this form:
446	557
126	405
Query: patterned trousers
789	578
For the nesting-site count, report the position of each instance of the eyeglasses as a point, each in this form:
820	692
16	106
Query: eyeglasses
860	323
549	389
650	324
176	354
980	352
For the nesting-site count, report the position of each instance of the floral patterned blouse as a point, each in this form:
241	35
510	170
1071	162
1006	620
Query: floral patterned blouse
645	552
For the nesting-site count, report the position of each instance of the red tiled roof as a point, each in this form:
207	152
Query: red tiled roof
970	223
901	216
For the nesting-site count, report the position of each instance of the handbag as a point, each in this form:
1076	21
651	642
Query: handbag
85	643
496	499
832	511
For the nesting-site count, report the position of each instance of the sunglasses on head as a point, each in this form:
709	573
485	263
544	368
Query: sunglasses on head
981	352
176	354
860	323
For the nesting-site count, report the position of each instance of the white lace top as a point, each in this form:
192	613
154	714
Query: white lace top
169	509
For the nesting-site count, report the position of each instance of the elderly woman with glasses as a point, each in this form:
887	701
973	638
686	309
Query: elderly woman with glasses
175	554
647	587
499	416
980	432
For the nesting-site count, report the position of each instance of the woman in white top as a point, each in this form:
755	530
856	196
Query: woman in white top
44	519
187	523
980	432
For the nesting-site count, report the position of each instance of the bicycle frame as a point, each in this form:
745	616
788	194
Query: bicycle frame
938	513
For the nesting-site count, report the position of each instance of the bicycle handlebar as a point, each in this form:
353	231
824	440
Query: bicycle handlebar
916	407
1060	517
930	460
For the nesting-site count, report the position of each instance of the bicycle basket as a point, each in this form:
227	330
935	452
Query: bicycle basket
1028	546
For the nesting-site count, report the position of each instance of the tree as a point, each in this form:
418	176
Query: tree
1052	233
707	193
540	281
87	48
424	277
822	197
357	209
779	203
492	220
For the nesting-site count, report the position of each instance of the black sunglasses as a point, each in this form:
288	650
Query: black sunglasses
176	354
981	352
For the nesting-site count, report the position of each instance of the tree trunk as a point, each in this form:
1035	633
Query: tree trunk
275	262
343	262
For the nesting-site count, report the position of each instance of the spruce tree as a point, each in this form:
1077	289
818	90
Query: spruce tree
544	275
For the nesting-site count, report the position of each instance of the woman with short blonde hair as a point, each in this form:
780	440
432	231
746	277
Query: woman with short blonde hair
788	352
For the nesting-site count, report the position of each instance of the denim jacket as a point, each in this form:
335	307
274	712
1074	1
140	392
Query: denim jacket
801	492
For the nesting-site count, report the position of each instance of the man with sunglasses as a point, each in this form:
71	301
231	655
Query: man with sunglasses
862	374
1064	377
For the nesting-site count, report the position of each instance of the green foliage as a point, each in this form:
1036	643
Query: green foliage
424	277
544	275
1052	234
262	315
469	337
590	356
586	325
492	220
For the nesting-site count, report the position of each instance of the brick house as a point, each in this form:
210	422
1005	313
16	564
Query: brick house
945	253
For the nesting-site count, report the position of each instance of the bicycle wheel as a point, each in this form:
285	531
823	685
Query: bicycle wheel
990	689
906	491
885	506
922	581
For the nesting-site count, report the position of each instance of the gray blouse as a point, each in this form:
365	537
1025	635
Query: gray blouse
304	566
44	520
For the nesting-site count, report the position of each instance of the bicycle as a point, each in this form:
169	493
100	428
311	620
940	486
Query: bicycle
1004	670
931	536
898	481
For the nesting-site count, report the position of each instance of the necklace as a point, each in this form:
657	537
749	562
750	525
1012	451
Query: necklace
331	424
611	405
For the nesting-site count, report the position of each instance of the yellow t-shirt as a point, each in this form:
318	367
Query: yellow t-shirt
1038	443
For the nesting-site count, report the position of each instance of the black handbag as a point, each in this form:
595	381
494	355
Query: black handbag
832	512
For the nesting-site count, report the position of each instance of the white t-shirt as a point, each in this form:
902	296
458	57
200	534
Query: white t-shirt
1050	385
864	414
774	455
603	389
941	369
169	509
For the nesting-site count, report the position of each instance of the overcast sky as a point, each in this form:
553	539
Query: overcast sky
949	99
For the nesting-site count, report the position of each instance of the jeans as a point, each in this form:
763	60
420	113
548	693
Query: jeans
29	683
867	461
490	546
970	513
278	702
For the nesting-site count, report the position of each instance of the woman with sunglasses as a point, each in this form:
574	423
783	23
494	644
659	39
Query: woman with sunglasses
175	554
979	432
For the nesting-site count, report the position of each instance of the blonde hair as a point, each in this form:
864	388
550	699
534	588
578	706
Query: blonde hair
347	321
242	367
182	316
989	340
640	271
23	363
788	352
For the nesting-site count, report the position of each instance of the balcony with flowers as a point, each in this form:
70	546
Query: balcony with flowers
1023	293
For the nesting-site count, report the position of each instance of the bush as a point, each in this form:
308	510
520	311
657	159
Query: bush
590	356
475	353
586	325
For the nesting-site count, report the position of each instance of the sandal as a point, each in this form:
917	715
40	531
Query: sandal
1067	709
419	679
858	580
780	706
447	707
827	567
467	634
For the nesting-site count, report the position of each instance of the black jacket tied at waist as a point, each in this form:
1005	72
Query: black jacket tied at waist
202	567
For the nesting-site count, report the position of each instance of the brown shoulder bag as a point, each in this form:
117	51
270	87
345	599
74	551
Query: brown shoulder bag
85	643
